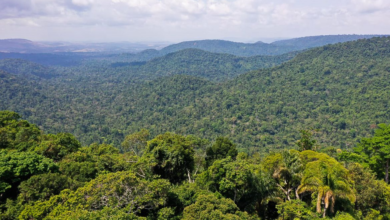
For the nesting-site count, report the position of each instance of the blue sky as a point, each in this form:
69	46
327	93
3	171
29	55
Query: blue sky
179	20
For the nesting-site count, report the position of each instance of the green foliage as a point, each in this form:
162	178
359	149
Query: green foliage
136	142
258	111
16	167
306	142
27	69
85	164
15	133
243	182
184	195
341	91
211	66
209	207
8	117
120	190
165	213
370	192
221	149
327	178
376	151
171	156
294	209
57	146
374	214
286	171
43	186
344	216
105	213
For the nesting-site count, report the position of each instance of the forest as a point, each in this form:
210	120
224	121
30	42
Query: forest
340	91
199	130
173	176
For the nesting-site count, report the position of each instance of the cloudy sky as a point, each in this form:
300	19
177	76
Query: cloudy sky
178	20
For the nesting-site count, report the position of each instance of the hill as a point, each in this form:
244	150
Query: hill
235	48
27	69
65	54
28	46
243	49
318	41
199	63
342	90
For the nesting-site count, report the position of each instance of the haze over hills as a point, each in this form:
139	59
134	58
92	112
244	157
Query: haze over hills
250	49
143	52
28	46
317	41
340	89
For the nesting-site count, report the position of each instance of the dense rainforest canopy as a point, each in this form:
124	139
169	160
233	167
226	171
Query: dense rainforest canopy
173	176
339	91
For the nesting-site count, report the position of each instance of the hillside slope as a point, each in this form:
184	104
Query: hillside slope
27	69
199	63
242	49
343	90
318	41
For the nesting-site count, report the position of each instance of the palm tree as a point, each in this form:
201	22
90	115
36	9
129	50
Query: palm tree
330	180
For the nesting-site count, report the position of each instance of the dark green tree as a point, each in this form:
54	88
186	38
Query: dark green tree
136	142
57	146
376	151
210	207
16	167
221	149
43	186
306	142
170	156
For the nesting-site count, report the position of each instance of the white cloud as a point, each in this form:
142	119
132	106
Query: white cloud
196	19
369	6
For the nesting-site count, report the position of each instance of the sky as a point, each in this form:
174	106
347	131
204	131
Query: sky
180	20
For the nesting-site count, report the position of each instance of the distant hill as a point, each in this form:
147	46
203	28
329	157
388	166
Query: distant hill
221	46
20	92
68	54
317	41
27	69
200	63
51	59
245	49
27	46
342	91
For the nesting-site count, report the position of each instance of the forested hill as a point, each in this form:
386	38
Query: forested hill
199	63
221	46
27	69
243	49
342	90
50	59
260	48
317	41
214	46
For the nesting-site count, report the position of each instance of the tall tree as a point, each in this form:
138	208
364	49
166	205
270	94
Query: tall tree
376	151
221	149
288	173
306	142
171	156
136	142
328	178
